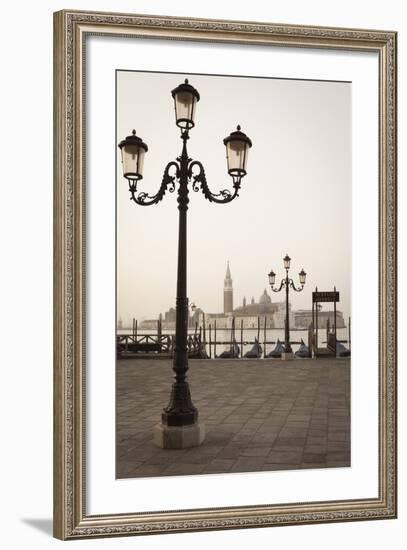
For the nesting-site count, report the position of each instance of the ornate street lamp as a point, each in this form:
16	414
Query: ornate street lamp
287	283
179	426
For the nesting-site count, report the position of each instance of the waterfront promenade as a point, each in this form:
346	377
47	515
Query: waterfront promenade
259	415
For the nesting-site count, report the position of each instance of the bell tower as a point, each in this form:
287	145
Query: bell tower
228	292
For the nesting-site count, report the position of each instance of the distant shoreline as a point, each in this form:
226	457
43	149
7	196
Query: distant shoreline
192	329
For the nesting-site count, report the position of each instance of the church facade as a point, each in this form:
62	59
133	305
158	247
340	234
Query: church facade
271	314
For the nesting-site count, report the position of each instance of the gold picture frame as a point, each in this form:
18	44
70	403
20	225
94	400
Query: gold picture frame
70	517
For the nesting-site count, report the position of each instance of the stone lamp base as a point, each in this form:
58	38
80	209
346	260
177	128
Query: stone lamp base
178	437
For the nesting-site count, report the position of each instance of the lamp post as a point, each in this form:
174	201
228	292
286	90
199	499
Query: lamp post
179	426
287	283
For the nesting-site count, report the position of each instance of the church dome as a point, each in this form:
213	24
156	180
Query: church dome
264	298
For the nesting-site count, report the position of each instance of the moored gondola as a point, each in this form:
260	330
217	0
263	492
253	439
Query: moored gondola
256	350
277	351
199	353
232	353
341	350
303	350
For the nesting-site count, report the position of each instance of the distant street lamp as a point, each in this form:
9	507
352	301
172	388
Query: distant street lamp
179	426
287	283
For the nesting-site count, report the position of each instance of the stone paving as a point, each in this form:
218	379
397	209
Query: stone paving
259	415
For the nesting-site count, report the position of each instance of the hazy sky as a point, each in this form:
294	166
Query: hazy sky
295	199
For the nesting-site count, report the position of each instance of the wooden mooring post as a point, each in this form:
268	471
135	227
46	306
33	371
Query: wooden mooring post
241	337
214	346
335	321
265	335
159	330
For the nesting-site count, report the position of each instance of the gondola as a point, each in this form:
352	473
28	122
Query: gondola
341	350
199	353
231	353
277	351
255	352
303	350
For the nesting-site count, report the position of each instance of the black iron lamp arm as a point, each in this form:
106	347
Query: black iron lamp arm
199	183
289	282
294	287
282	284
168	183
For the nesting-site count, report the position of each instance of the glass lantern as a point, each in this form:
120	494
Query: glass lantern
272	278
185	99
133	150
237	148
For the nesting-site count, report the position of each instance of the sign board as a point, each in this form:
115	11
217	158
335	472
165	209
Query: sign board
325	296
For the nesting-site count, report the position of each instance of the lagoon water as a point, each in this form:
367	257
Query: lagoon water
248	337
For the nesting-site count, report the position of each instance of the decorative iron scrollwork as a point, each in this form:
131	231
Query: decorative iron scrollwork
167	184
199	182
